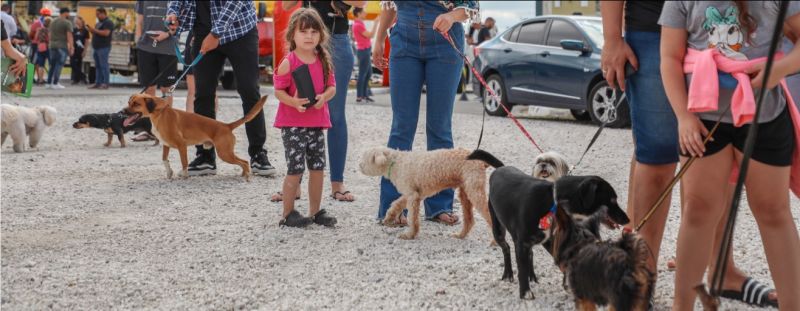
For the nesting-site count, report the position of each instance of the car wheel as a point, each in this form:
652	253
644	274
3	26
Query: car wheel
490	104
580	114
601	108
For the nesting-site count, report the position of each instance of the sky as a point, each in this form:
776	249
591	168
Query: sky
507	13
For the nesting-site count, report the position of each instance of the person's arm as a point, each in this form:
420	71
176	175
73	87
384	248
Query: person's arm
370	33
282	95
227	13
323	98
690	130
101	32
444	21
787	65
384	21
20	62
139	25
615	51
70	42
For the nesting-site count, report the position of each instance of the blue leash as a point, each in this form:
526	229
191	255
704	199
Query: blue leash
185	67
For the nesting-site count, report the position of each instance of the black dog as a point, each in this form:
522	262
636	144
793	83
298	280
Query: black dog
524	206
115	124
601	272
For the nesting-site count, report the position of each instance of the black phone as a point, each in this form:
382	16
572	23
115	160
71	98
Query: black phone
305	86
152	33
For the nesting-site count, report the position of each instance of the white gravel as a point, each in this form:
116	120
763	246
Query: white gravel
89	227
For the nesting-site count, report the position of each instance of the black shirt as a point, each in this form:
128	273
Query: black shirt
4	35
484	35
202	22
79	37
99	42
337	24
643	15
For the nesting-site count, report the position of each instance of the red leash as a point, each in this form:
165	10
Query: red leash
491	92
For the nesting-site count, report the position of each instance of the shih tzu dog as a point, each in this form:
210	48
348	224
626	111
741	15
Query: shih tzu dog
550	166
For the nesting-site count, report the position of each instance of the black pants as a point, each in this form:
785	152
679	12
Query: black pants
76	63
242	54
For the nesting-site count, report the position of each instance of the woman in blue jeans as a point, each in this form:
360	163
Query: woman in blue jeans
334	15
419	55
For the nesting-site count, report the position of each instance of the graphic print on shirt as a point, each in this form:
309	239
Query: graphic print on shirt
725	32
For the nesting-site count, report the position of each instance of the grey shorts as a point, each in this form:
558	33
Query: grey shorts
303	145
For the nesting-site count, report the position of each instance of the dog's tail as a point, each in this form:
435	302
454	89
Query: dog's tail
485	157
250	115
48	114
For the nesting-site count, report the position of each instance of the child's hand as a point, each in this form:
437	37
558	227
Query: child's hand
298	103
321	100
691	132
757	70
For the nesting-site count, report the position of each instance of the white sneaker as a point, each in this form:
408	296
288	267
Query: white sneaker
58	86
48	86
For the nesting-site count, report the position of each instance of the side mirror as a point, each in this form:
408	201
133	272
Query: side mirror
575	45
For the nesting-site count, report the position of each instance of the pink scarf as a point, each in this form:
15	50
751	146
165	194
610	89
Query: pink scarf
704	95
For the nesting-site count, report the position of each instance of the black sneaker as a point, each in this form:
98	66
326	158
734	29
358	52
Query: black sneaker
295	220
259	164
322	218
204	164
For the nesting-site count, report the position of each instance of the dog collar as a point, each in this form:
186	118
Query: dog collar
546	221
389	173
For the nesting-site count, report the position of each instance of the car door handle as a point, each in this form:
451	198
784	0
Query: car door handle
544	54
507	50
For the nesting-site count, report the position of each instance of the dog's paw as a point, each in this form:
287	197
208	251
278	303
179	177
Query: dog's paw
508	278
168	169
407	235
184	174
458	235
527	295
106	144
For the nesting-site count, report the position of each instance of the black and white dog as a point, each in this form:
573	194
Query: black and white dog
524	206
115	124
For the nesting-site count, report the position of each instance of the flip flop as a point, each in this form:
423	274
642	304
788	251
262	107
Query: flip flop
343	195
752	293
281	199
439	220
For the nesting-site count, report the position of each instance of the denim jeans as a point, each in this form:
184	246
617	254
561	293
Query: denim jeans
342	54
419	55
58	57
364	72
102	71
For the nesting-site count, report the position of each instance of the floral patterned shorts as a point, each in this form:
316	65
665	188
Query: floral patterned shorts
303	145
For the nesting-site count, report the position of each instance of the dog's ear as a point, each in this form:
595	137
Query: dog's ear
48	114
381	157
588	191
150	104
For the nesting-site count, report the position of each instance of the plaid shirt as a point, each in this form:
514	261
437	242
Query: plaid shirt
230	19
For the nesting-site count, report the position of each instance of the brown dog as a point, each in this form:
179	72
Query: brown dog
179	129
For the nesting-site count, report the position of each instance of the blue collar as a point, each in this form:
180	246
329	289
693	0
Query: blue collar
553	208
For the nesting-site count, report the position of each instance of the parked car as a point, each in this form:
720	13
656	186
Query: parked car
550	61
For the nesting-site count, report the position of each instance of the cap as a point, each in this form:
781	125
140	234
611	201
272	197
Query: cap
44	12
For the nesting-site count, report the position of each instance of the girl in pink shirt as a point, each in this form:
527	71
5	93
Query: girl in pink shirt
301	127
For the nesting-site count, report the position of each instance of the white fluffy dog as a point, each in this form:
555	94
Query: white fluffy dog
19	121
550	166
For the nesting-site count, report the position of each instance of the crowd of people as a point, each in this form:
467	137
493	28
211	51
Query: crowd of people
662	41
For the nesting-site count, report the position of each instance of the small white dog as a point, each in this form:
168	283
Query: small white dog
19	121
550	166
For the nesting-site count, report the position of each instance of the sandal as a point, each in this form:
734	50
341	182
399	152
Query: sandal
403	222
342	196
294	219
278	197
752	293
438	219
322	218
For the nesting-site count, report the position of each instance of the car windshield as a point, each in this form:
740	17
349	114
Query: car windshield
594	29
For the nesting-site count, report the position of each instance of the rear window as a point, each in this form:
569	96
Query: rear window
532	33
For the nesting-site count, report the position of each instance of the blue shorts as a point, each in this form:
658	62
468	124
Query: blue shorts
655	128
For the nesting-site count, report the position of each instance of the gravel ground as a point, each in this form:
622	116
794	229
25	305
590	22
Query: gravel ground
89	227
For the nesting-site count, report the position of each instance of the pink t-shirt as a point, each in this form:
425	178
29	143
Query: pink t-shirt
361	41
289	116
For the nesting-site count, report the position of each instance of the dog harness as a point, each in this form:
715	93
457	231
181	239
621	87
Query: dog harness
546	221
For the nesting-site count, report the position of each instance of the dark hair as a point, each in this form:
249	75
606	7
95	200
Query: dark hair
305	18
63	10
102	10
357	11
749	25
5	8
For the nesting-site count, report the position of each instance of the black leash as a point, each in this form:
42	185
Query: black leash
616	98
727	237
152	82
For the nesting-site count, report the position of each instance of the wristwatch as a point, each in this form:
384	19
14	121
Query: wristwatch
216	36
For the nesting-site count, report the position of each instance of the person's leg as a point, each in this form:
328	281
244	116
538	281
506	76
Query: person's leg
364	65
407	75
295	151
74	66
768	197
168	64
61	59
704	188
53	65
342	54
207	72
189	93
96	57
105	71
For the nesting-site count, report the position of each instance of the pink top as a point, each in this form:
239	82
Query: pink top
289	116
704	93
362	42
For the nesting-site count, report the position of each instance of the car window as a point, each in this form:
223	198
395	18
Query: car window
562	30
532	33
510	34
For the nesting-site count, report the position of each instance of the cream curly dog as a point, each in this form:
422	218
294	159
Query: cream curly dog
421	174
19	121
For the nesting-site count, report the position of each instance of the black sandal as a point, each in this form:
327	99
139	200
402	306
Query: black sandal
294	219
343	195
753	293
322	218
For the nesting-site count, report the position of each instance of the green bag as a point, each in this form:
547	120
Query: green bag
19	86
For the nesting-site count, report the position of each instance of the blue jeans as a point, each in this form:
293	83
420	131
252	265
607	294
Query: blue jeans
58	57
102	71
418	56
655	128
342	54
364	72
